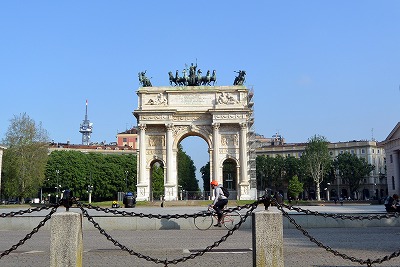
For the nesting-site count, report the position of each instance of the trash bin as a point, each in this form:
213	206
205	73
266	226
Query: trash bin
129	200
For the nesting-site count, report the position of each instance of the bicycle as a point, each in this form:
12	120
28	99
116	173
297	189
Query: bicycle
229	219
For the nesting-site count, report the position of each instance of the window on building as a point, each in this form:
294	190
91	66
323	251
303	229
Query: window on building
379	151
362	151
124	139
331	153
373	151
391	158
341	151
352	151
393	185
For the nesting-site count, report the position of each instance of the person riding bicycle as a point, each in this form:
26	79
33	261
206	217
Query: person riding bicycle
220	201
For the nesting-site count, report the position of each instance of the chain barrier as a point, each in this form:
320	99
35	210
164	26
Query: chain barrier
342	216
34	231
367	262
250	208
166	262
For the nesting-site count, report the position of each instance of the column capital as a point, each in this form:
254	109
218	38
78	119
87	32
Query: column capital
216	125
169	126
142	126
243	125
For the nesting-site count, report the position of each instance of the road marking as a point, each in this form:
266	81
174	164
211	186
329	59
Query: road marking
221	250
33	252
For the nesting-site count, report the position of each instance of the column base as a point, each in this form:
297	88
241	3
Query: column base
142	193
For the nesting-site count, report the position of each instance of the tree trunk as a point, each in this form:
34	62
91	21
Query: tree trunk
318	191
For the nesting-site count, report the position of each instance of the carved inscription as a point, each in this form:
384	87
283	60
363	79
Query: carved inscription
192	99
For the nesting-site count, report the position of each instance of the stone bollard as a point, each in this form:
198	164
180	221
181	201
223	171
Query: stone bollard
66	247
267	239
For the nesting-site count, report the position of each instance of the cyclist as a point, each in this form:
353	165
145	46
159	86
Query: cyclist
220	201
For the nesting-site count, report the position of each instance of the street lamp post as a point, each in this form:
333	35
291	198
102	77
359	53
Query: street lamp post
90	188
126	181
327	192
57	188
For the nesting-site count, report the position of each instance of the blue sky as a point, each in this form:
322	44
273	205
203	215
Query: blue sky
317	67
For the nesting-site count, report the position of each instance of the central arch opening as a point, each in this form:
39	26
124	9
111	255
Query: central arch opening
197	149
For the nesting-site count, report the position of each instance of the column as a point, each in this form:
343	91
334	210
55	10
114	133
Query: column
142	154
216	140
169	153
243	154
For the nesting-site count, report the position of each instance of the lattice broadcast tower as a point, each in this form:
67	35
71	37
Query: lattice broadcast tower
86	128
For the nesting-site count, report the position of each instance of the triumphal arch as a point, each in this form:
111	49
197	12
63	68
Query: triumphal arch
220	115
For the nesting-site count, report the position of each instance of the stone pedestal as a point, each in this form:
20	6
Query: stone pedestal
66	247
267	239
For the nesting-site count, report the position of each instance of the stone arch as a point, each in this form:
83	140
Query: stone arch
183	134
156	194
193	111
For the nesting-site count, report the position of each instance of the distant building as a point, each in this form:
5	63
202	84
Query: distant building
93	148
128	138
392	147
373	186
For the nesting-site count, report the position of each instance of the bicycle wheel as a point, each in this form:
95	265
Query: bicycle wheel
203	222
231	219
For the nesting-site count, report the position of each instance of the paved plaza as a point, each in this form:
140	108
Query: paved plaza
364	243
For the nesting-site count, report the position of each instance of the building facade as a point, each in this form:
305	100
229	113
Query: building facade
128	138
392	147
375	186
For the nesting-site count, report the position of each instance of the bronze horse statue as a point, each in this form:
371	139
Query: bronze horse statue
182	81
213	77
205	80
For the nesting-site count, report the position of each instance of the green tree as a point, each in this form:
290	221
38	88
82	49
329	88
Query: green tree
186	171
317	161
157	178
108	174
25	157
352	169
270	172
205	175
295	187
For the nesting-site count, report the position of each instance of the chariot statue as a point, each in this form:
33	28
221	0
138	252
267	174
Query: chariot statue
194	78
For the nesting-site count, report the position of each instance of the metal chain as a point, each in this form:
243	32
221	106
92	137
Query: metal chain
22	212
34	231
166	262
367	262
341	216
162	216
250	207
